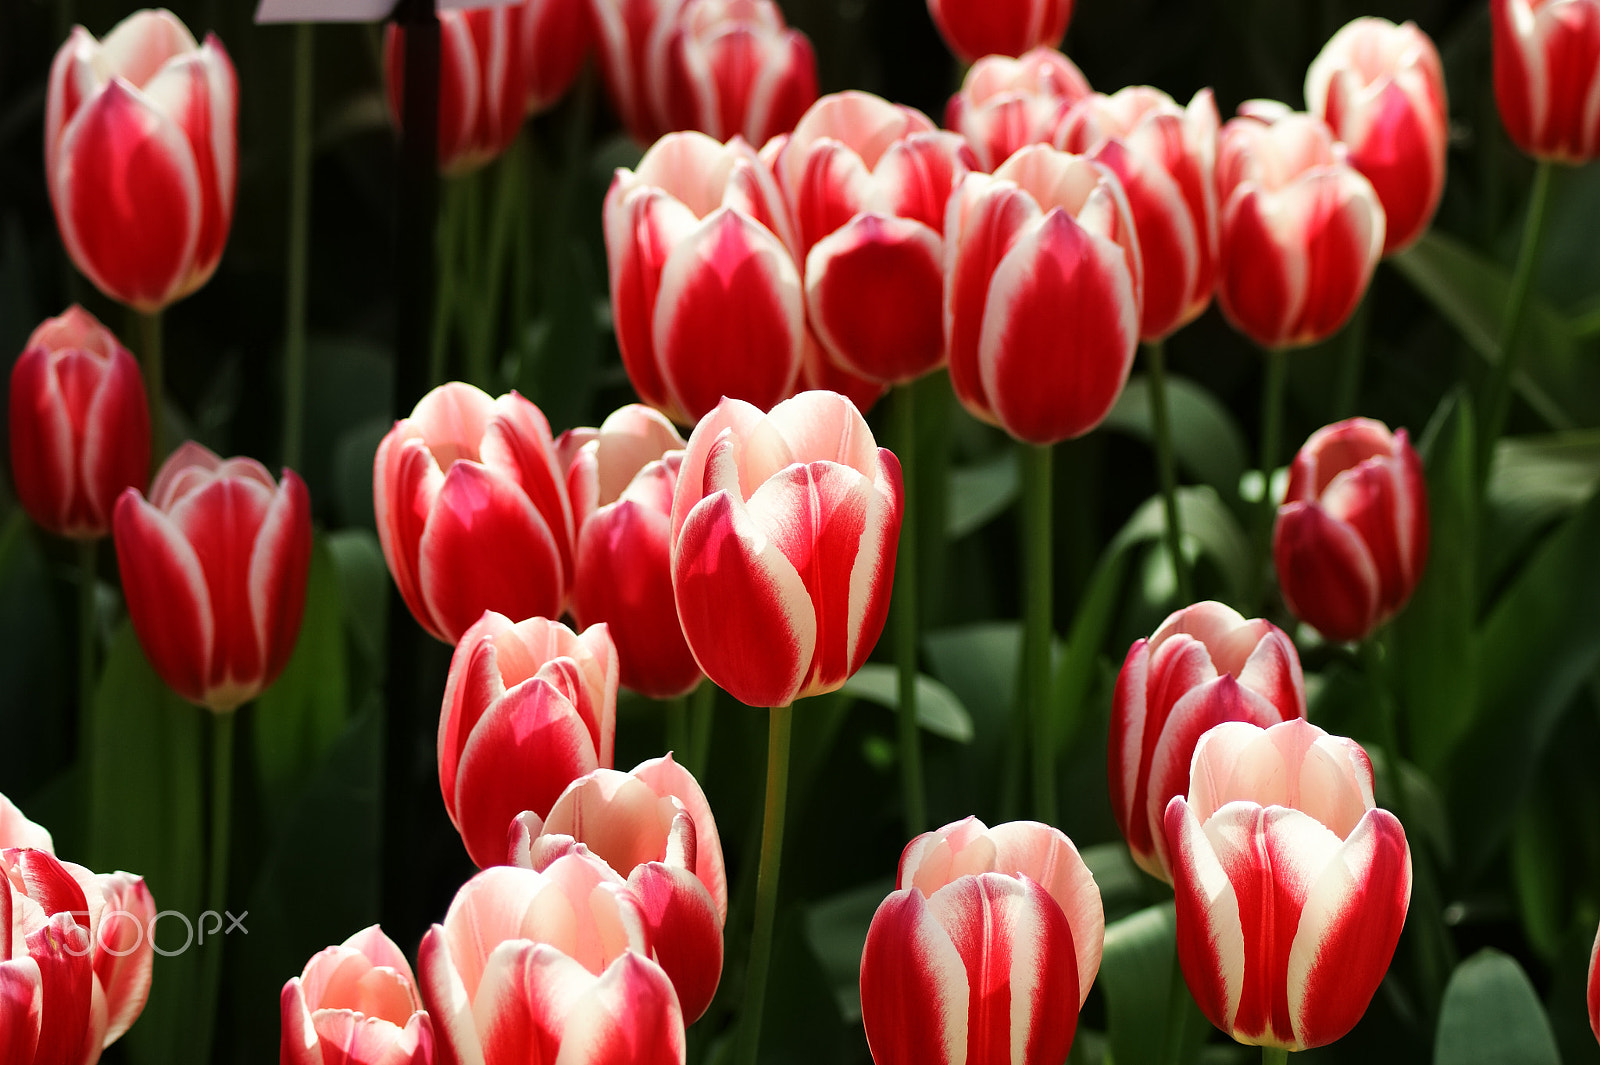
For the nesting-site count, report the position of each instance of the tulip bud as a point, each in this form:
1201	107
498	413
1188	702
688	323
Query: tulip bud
140	149
1547	75
985	952
1380	88
1043	290
1291	886
1352	534
80	429
1006	104
1203	666
975	28
214	569
784	531
355	1004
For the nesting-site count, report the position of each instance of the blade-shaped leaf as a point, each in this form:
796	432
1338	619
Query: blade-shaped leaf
938	709
1491	1016
1206	441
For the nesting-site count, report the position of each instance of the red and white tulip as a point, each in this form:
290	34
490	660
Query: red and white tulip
1006	104
1594	987
355	1004
17	831
1547	76
976	28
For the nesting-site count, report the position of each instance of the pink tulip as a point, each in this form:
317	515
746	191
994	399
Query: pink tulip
1380	87
1547	76
1291	887
1204	665
80	428
140	154
1006	104
214	569
548	966
355	1004
1165	157
472	510
985	952
1351	538
704	288
17	831
975	28
528	708
1043	290
621	479
784	531
1301	229
653	826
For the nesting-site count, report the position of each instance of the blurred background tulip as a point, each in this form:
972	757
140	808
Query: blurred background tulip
1005	103
80	428
1205	665
214	569
1351	538
356	1004
1593	990
141	155
1292	887
974	28
1547	75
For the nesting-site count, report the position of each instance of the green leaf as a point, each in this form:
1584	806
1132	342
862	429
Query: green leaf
1205	439
938	709
364	592
1135	974
1075	670
1491	1016
1533	482
1120	881
979	493
836	928
1207	522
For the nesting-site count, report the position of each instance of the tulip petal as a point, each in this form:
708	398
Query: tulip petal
983	221
124	953
685	931
448	1001
1210	932
298	1043
21	1008
66	980
167	595
914	986
1047	857
630	1016
280	561
666	777
1326	573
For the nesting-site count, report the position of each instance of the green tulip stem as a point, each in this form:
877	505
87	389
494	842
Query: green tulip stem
1352	359
294	331
904	413
150	358
1155	353
1172	1039
778	733
1034	685
86	658
702	704
1274	1056
222	728
1272	391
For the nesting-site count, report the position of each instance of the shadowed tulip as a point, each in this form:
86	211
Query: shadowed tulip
1006	104
975	28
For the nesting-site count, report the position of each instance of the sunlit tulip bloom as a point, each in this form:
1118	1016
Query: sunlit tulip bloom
472	510
140	149
17	831
1165	157
80	427
1301	230
553	963
974	28
528	708
1547	76
985	952
355	1004
1352	534
653	826
214	569
704	288
620	478
1291	886
784	530
1380	87
1005	103
1043	290
1203	666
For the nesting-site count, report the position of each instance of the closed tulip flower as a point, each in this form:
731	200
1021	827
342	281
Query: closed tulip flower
140	149
985	952
621	478
1165	156
528	708
80	428
1043	290
214	569
1380	88
704	288
472	510
1352	534
784	530
975	28
1291	886
1006	104
1203	666
1301	230
1547	76
355	1004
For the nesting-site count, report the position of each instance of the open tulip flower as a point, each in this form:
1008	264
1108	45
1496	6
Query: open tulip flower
550	966
80	427
528	708
140	154
654	827
1547	76
1380	88
472	510
1291	886
784	531
214	568
355	1004
1005	103
1351	537
986	950
974	28
1043	294
1203	666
